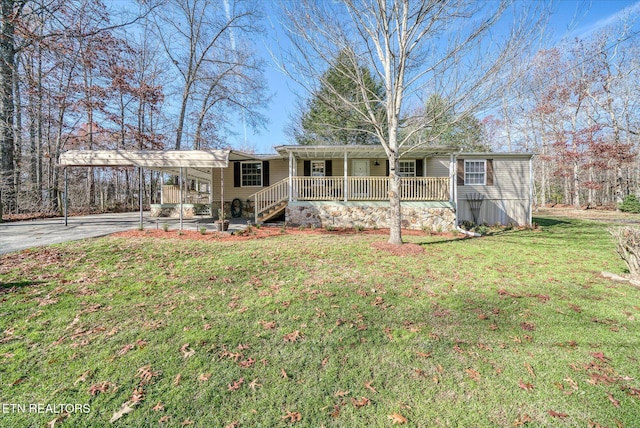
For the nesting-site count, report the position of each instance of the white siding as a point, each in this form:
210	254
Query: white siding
278	169
507	200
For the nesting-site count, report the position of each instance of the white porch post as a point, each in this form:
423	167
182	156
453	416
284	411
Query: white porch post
181	195
452	179
290	176
140	194
211	193
66	197
345	186
221	195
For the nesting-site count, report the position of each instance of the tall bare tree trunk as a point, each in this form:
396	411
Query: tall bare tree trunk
7	69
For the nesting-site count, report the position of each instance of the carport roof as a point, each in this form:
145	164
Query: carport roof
199	163
153	159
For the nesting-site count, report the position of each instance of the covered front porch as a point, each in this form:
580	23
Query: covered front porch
356	174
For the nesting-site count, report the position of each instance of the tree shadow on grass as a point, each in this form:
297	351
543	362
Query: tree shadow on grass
8	287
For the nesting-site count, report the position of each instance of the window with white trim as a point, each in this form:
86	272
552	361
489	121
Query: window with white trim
251	174
317	169
407	168
475	172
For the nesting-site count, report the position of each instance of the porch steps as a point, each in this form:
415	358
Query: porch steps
272	212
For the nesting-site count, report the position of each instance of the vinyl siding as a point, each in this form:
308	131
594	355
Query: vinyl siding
507	200
278	169
438	167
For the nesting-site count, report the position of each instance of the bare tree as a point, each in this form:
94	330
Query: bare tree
202	39
454	49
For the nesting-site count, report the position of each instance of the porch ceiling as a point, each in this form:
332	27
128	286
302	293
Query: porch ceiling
357	151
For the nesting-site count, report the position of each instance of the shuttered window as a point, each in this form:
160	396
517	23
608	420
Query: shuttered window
474	172
251	174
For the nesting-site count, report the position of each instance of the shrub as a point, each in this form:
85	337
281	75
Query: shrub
165	227
358	227
203	230
330	228
631	204
483	229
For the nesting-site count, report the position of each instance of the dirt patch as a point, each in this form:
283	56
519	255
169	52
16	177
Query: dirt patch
403	250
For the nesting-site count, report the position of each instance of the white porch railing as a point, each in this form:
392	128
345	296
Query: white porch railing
369	188
357	189
270	196
171	195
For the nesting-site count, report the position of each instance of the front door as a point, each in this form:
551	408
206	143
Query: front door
360	187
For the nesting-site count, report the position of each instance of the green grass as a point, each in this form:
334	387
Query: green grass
497	331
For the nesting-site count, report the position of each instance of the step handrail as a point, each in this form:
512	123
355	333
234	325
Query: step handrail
271	196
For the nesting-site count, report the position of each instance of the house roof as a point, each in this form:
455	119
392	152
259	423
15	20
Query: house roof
358	151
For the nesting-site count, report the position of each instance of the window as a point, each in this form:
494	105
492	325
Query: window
251	173
407	168
317	168
475	172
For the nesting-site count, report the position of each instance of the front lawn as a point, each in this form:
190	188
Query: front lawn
514	329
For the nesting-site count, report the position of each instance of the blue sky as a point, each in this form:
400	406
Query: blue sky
571	18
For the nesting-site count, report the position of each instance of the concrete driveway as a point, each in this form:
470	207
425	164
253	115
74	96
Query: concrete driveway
20	235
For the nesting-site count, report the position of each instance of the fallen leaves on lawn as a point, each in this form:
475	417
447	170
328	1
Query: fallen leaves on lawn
247	363
473	374
125	409
204	377
164	419
254	384
57	420
105	386
369	387
530	370
176	381
159	406
341	393
363	401
613	400
187	422
292	416
146	374
523	420
600	356
293	336
82	378
187	351
397	418
235	385
555	414
525	385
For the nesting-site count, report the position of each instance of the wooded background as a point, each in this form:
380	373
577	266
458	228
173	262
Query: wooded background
178	74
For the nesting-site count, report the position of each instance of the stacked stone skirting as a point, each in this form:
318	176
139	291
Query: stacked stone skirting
434	216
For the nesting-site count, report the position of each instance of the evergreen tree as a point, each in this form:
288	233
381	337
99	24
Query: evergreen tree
330	117
441	126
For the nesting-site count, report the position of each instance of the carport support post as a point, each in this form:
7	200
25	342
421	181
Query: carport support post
181	185
66	198
140	194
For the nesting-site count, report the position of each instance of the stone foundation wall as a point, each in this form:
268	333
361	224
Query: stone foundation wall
172	210
190	210
435	216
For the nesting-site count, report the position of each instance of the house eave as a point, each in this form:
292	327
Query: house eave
358	151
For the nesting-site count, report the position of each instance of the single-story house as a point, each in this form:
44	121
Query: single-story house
341	186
